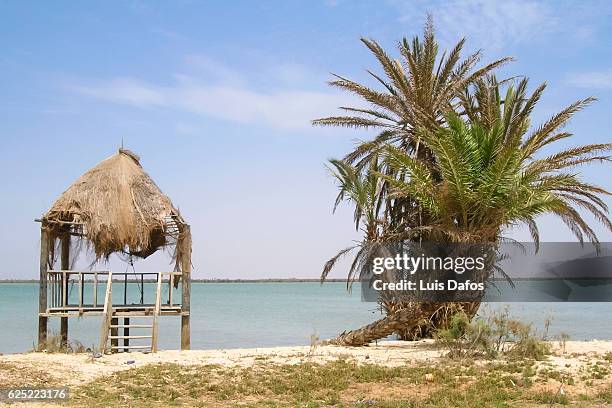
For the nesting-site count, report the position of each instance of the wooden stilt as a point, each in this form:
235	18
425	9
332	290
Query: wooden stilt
107	313
126	334
113	332
185	334
156	314
65	261
186	290
42	294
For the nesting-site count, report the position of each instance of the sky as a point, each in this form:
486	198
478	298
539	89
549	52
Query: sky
217	99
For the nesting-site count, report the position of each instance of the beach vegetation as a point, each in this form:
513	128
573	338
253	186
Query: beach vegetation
341	383
56	344
496	336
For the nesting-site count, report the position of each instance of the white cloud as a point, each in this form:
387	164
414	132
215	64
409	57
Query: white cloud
224	95
124	90
494	24
593	80
186	128
212	70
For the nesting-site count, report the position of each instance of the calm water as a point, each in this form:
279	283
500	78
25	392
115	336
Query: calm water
236	315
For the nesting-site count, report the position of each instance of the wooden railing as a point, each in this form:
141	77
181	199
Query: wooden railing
131	286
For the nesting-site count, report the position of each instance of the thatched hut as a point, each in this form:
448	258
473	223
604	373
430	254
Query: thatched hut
114	208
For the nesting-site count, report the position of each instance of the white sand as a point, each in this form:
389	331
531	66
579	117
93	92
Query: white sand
76	369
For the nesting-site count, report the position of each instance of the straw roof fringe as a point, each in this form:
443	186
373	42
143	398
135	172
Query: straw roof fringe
117	207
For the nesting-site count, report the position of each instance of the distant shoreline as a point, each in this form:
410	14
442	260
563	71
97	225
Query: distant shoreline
287	280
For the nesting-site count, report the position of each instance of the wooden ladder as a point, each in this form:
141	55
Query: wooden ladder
111	324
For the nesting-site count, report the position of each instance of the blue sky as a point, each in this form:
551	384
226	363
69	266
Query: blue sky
217	97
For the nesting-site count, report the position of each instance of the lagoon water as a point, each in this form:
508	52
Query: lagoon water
241	315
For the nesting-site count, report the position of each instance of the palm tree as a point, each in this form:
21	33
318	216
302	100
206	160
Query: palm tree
488	175
417	91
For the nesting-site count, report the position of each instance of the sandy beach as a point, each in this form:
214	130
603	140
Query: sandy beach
570	360
76	369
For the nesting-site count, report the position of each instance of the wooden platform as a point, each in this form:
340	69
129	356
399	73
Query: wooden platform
66	293
88	285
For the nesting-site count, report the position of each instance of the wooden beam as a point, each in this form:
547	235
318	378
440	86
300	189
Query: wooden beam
65	263
186	290
48	221
42	290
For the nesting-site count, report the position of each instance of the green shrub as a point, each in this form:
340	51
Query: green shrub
492	337
55	344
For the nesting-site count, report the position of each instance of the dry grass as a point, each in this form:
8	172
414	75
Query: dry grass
19	375
330	377
340	383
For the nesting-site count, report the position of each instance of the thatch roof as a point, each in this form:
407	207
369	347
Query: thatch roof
116	207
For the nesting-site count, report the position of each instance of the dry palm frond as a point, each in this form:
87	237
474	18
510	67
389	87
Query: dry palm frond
416	91
116	207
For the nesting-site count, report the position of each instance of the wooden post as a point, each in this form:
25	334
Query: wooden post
107	312
156	313
95	289
114	332
42	294
65	261
186	290
126	333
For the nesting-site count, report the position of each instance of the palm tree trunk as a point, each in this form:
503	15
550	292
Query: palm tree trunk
405	320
